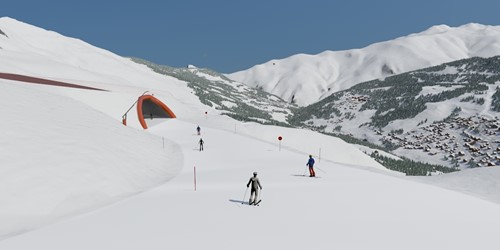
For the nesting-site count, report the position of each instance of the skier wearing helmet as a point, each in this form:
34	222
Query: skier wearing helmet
255	189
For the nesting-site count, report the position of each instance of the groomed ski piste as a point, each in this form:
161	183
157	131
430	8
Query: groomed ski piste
73	177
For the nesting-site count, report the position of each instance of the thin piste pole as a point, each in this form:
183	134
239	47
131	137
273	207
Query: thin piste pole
320	155
194	178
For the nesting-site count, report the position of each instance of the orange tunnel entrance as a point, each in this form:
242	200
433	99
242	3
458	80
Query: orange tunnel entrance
148	107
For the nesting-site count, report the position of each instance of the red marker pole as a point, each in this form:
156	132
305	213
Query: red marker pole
194	178
279	139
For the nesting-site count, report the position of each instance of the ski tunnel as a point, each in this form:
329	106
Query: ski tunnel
150	111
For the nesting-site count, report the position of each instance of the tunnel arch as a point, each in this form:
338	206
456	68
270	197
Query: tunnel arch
149	107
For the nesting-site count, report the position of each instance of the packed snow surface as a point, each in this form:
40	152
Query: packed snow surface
73	177
61	157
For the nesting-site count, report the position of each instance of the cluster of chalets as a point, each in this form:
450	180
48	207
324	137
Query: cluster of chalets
471	142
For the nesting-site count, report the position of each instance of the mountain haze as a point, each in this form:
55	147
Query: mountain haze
305	79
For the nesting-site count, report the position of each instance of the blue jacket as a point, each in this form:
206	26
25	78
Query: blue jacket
310	163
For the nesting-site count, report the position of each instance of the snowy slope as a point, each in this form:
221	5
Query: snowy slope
305	79
61	157
345	208
32	51
65	153
66	124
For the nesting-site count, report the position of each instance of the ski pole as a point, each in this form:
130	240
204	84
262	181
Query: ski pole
305	170
244	196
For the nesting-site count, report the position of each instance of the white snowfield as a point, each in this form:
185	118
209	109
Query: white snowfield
306	79
73	177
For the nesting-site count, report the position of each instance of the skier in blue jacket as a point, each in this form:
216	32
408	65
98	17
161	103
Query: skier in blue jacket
310	163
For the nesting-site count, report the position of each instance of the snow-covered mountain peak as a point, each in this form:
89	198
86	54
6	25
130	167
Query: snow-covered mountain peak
37	42
475	26
11	21
436	29
33	51
26	33
471	28
24	37
306	79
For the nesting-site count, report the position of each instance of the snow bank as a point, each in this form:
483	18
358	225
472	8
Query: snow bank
61	157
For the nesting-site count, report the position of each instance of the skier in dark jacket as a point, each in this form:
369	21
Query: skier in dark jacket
254	181
310	163
198	129
201	144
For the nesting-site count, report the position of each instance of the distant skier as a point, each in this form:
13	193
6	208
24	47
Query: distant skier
198	129
201	144
254	193
310	163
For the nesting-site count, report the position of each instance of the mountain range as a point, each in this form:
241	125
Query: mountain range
371	112
305	79
367	113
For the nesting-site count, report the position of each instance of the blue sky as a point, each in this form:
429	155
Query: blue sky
232	35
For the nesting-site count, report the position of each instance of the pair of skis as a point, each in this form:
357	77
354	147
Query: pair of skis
255	203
